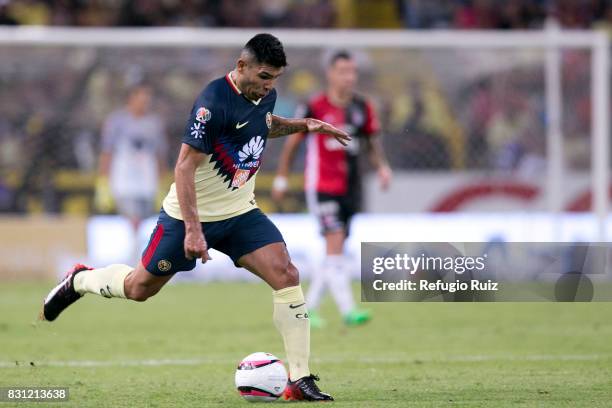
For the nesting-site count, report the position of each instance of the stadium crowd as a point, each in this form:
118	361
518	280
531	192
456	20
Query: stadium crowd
417	14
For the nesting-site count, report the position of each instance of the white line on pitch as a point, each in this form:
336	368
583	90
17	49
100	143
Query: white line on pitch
325	360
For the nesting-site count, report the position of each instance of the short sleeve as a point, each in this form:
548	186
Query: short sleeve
205	123
371	126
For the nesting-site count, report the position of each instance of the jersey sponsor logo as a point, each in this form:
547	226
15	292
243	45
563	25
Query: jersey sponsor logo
251	150
269	120
164	265
241	125
203	115
240	178
248	165
301	316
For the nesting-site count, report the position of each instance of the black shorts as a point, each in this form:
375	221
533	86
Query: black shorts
235	237
334	212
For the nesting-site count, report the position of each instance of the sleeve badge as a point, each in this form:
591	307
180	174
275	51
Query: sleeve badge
203	115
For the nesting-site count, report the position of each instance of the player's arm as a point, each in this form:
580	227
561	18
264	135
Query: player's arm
379	161
375	148
184	176
280	184
283	126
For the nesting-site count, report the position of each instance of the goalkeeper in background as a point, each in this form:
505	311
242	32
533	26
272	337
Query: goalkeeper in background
333	179
131	160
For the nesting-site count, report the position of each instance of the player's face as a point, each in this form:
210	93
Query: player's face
342	75
140	100
257	80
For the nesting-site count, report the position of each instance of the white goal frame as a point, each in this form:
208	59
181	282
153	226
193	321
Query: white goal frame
550	39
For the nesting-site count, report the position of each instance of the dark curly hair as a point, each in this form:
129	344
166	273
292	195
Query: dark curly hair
267	49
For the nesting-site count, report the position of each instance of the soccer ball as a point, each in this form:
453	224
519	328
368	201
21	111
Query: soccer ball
261	377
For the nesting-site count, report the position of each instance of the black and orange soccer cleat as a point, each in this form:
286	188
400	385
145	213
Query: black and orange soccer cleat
305	389
62	296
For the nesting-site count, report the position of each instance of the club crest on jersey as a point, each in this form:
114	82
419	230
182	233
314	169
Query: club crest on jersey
269	120
203	115
164	265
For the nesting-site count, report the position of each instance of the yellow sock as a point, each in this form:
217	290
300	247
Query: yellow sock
107	282
291	320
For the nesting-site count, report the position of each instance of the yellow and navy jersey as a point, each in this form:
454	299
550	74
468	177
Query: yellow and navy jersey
231	131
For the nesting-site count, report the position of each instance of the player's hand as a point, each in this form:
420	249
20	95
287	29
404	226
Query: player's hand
103	197
318	126
279	188
195	246
384	176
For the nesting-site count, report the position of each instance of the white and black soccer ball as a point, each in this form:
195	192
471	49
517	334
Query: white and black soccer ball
261	377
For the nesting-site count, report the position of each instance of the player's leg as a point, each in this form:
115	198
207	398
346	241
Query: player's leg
318	285
336	267
325	209
161	259
336	272
272	264
256	244
121	281
116	280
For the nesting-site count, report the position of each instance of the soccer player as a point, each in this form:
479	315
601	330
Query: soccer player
211	205
332	179
132	158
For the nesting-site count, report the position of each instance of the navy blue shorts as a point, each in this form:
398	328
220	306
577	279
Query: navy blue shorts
235	237
334	212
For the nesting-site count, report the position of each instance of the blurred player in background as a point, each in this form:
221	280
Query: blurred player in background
333	179
132	159
212	205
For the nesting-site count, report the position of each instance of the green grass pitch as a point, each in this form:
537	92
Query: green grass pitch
180	349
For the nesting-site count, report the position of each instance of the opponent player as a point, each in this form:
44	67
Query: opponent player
333	185
212	205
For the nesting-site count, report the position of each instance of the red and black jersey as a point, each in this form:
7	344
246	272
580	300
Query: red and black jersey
330	167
